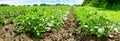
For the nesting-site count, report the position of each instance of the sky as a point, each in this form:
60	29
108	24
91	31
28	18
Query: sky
31	2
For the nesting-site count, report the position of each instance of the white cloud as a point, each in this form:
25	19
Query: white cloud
10	2
80	1
31	2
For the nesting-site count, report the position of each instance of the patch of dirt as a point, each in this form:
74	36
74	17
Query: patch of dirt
66	33
116	37
8	33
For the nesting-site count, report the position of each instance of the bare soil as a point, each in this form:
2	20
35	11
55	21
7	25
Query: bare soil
67	32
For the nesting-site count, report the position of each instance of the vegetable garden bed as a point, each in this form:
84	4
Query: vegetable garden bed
57	25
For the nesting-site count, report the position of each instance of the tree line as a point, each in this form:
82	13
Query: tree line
101	3
43	4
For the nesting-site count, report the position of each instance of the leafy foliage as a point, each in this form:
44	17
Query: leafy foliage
43	4
11	12
1	21
101	3
35	5
33	24
4	4
96	3
34	19
40	20
93	23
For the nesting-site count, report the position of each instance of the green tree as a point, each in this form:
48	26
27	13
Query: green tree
101	3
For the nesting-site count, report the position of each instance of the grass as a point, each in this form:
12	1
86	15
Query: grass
112	14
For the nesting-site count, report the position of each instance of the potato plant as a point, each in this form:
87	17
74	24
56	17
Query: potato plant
39	20
93	23
1	21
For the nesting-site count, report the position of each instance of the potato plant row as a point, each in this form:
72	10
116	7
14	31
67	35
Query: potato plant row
92	22
35	19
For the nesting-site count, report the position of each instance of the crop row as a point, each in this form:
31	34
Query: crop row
93	22
35	20
38	19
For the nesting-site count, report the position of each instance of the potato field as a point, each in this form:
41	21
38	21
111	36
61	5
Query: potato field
58	23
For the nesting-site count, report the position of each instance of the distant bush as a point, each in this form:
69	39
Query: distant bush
28	5
13	5
58	4
77	5
61	4
35	4
4	5
43	4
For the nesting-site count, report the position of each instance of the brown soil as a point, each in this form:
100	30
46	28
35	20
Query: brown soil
66	33
8	33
